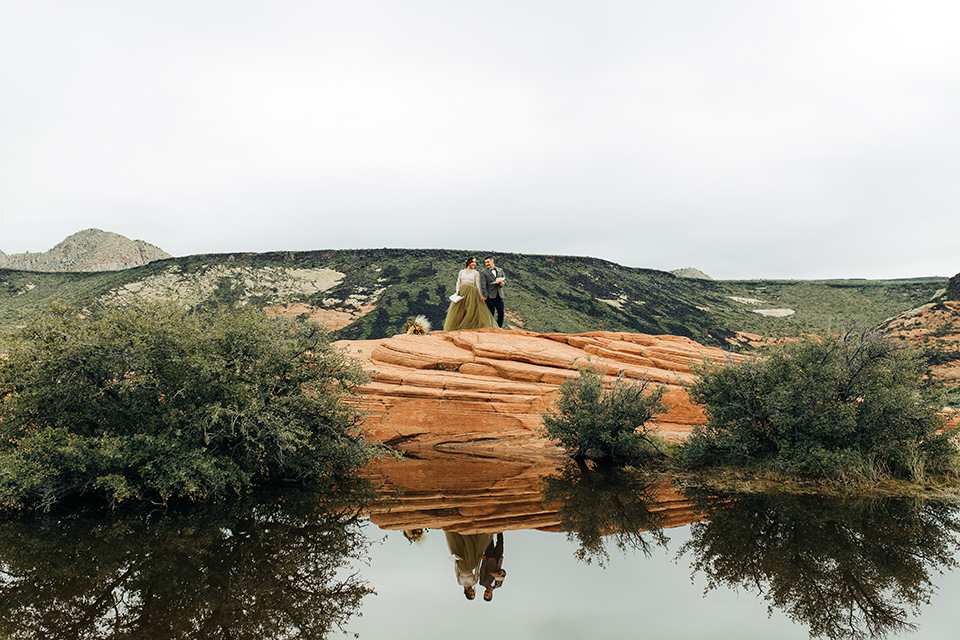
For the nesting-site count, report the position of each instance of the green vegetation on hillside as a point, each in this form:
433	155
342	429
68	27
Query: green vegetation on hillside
543	294
152	402
823	307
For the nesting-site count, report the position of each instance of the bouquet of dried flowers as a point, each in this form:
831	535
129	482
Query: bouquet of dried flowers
418	326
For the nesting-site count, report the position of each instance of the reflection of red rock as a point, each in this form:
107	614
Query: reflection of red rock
482	494
488	388
463	493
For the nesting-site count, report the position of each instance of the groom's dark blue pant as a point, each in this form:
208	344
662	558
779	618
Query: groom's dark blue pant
496	309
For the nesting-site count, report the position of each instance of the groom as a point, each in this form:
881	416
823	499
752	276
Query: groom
491	289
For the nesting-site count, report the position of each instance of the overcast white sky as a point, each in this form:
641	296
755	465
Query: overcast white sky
747	138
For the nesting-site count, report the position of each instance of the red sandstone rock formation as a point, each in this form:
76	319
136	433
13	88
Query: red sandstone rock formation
487	389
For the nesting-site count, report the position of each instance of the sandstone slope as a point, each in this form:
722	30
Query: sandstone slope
487	389
935	329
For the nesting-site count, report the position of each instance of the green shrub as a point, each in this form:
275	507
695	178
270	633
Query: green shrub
152	402
847	406
606	426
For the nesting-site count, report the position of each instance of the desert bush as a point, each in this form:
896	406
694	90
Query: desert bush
848	406
152	401
608	426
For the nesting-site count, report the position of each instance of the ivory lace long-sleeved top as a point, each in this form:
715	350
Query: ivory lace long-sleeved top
468	276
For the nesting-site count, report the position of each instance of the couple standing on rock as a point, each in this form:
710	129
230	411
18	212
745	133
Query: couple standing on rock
479	295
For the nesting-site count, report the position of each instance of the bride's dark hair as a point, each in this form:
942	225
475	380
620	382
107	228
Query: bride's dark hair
469	260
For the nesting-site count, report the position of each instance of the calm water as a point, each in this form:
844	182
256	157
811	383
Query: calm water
614	555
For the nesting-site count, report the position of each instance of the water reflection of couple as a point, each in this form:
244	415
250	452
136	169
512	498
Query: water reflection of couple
477	558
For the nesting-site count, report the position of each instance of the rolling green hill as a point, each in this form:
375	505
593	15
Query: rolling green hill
376	290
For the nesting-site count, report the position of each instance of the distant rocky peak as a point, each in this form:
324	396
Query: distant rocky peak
88	250
690	272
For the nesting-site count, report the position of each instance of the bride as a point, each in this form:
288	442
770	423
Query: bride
468	311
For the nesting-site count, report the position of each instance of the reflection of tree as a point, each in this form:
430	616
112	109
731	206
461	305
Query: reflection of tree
265	568
610	502
854	568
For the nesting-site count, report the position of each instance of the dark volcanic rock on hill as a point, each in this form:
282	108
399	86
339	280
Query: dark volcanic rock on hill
953	288
89	250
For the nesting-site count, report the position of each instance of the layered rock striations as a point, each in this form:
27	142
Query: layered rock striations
463	493
488	388
477	494
89	250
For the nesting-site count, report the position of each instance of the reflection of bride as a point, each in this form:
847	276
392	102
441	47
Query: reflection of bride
467	551
469	310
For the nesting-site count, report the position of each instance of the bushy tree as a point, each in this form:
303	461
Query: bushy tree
153	401
608	426
848	406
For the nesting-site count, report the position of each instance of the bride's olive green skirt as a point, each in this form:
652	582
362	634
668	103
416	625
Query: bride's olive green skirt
468	549
468	313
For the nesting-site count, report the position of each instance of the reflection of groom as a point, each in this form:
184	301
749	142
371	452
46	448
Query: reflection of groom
492	573
491	289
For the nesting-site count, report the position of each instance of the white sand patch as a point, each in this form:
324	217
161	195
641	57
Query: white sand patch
745	300
361	297
775	313
616	304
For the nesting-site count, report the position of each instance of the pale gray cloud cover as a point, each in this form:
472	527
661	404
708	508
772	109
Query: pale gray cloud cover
748	138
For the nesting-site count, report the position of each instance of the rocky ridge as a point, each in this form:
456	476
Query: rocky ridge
236	284
89	250
691	272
